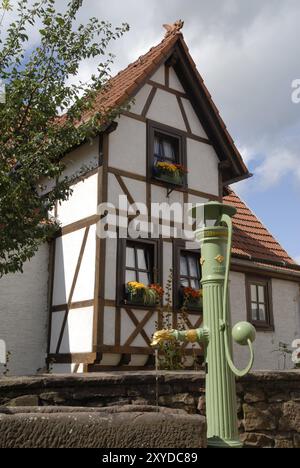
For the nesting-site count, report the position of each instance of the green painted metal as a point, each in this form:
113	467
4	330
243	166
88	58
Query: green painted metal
216	243
242	332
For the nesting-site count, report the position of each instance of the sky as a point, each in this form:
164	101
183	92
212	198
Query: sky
248	54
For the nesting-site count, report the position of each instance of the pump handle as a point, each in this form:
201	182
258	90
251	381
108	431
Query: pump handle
226	219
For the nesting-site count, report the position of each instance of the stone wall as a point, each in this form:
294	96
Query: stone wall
268	402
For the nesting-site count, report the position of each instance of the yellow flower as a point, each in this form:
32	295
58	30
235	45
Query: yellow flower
167	166
135	285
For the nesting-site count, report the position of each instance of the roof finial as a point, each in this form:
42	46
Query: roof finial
173	28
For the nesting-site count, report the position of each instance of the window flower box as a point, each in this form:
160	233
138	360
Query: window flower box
170	173
191	298
139	294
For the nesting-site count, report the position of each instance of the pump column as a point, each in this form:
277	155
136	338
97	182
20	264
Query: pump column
221	406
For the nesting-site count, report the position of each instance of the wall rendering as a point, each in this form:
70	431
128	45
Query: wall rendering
286	313
24	315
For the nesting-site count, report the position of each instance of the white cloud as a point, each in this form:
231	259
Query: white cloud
297	259
277	164
247	54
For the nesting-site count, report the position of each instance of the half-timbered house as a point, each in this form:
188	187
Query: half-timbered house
72	298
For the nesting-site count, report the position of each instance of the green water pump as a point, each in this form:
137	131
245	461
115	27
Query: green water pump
216	335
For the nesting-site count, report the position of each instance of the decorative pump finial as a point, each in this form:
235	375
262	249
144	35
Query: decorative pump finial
173	28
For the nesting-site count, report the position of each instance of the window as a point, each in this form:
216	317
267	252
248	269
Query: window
187	277
137	262
166	148
190	274
166	154
259	302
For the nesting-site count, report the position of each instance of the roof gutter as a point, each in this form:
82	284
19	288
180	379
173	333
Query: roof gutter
249	266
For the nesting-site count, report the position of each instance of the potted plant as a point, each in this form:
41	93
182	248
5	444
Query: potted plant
139	294
191	298
169	172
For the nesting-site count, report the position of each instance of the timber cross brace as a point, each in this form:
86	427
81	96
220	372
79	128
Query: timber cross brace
216	334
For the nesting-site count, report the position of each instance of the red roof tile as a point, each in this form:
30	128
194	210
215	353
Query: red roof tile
127	82
251	240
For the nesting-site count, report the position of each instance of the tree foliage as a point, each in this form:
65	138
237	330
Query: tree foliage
40	54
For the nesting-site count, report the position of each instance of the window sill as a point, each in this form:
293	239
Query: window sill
169	180
194	309
263	327
137	305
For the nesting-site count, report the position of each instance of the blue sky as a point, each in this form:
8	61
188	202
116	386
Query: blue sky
248	54
278	208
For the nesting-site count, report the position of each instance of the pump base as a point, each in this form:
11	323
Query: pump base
217	442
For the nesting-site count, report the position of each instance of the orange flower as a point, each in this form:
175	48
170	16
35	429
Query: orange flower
182	170
158	289
192	293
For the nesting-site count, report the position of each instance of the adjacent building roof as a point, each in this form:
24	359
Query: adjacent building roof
252	240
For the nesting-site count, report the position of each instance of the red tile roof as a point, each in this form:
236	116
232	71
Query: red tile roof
127	82
251	240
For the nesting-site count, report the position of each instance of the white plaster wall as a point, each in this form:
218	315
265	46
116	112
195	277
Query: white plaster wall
174	82
24	315
66	258
203	167
136	189
140	99
194	122
128	327
66	255
150	327
286	319
78	333
109	326
159	75
165	109
56	324
81	204
85	284
169	206
127	146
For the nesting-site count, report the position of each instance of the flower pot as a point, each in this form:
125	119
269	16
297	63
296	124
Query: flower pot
194	303
142	297
135	297
172	179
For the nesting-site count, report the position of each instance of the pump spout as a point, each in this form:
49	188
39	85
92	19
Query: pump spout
200	335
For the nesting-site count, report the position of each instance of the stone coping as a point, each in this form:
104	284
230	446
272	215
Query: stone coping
101	428
10	410
146	377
